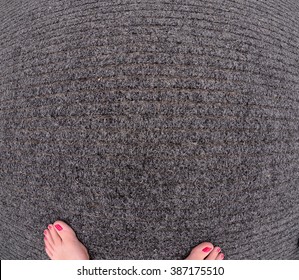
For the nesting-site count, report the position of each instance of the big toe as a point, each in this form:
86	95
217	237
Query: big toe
64	230
201	251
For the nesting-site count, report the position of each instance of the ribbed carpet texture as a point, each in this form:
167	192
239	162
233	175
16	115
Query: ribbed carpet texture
150	126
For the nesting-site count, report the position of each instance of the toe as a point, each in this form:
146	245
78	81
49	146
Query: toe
48	243
55	237
64	230
220	256
214	253
48	237
200	251
49	252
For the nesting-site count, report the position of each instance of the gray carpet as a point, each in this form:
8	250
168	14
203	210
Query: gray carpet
150	126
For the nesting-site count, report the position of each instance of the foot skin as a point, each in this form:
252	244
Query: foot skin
61	243
205	251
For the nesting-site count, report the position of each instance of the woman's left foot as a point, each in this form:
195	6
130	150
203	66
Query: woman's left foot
61	243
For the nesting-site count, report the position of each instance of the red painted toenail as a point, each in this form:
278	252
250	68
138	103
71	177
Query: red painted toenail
207	249
49	227
58	227
45	238
218	250
45	232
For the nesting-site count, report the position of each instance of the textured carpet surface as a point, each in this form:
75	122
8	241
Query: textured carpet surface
150	126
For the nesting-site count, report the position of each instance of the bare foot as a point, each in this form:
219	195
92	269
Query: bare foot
61	243
205	251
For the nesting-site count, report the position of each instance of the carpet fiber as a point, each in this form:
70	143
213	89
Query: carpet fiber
150	126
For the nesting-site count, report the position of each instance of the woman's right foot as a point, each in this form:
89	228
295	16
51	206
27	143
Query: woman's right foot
205	251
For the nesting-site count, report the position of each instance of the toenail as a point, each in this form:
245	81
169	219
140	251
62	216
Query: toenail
207	249
45	238
58	227
45	232
218	250
49	227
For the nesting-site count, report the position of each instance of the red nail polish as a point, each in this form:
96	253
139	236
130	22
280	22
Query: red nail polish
218	250
207	249
45	238
58	227
45	232
49	227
